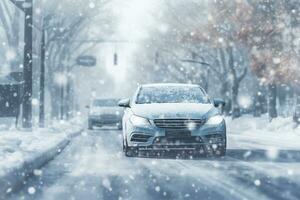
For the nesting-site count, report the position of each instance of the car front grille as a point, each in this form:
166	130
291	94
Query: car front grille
178	141
188	124
108	116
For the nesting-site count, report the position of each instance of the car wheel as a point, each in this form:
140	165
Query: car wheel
124	147
129	151
220	152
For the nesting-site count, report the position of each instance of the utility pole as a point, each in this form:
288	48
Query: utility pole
44	29
27	7
27	74
62	94
200	63
42	79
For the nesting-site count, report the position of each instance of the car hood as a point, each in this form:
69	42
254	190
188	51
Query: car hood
172	110
106	110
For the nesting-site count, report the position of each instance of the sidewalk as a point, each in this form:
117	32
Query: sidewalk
23	153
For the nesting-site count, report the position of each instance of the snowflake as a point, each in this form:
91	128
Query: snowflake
31	190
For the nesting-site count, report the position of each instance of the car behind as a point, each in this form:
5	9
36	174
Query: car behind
105	112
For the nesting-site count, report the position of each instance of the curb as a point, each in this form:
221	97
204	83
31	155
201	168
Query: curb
15	177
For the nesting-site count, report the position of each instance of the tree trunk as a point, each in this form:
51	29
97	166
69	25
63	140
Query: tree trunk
68	99
272	96
235	106
258	101
224	91
257	105
54	101
61	102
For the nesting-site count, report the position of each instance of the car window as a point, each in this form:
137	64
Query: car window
105	103
171	94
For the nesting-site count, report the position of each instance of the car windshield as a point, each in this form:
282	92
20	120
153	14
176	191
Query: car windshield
105	103
171	94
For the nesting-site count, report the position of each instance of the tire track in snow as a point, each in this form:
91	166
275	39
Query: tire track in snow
94	167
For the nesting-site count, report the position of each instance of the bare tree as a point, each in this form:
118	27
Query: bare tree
10	19
66	32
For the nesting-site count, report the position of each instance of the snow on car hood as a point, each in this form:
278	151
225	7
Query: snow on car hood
106	110
172	110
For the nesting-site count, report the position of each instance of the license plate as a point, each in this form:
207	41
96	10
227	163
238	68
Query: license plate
178	134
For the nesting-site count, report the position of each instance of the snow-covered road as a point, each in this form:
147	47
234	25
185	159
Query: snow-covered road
93	167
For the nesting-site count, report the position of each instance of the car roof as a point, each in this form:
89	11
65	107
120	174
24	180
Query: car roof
169	85
95	99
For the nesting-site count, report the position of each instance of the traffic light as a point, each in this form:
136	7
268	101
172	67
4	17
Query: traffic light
156	57
115	59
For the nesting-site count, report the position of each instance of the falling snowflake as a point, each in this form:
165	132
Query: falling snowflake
157	189
245	101
257	182
106	184
272	153
37	172
35	102
10	55
31	190
92	5
60	79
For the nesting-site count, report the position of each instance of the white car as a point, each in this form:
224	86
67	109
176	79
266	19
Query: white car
105	112
173	117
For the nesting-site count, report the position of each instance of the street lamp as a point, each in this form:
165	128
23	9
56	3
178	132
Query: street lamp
27	7
200	63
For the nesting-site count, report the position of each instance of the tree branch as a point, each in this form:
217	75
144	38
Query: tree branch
243	75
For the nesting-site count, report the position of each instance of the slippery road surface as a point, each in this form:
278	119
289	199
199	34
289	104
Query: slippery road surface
94	167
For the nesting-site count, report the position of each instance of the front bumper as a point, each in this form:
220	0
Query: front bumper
105	120
153	138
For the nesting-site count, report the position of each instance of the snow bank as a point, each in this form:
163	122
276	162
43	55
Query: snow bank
280	133
279	124
23	152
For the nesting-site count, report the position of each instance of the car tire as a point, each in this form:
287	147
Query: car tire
129	151
124	146
222	152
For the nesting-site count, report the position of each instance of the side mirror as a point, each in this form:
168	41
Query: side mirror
87	106
124	103
219	102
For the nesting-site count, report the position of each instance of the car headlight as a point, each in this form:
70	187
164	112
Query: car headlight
139	121
215	120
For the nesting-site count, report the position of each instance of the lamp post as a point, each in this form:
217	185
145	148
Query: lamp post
27	7
200	63
42	79
44	29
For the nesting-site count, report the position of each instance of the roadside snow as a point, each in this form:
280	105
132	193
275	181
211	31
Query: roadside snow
19	148
280	133
93	167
